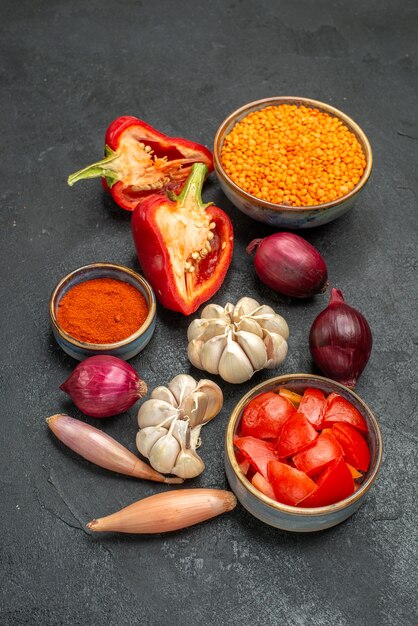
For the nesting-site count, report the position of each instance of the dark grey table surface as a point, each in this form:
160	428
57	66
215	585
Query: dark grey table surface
66	70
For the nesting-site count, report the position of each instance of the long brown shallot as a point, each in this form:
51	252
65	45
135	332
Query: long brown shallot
101	449
165	512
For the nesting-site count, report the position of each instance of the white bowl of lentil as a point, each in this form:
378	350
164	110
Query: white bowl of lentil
291	162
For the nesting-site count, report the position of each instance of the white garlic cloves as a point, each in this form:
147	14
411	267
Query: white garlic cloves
171	421
214	311
216	328
211	353
147	437
275	324
162	393
194	407
215	398
240	341
264	309
153	412
164	453
234	365
188	464
193	352
181	386
245	306
254	348
276	349
196	328
250	325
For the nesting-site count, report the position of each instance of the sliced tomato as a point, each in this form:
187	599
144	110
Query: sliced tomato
294	398
319	454
355	447
354	473
243	463
313	406
257	452
263	485
334	484
265	415
290	485
341	410
296	434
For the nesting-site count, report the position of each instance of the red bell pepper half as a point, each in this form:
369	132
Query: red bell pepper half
265	415
290	486
140	161
184	246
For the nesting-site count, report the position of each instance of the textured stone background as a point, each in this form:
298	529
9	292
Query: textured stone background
66	70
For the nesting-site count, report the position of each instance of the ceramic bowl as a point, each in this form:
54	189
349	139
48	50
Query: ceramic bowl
281	215
125	349
287	517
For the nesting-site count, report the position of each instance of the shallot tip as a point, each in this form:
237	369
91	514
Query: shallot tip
92	524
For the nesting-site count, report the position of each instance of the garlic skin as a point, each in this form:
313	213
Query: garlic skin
171	421
235	341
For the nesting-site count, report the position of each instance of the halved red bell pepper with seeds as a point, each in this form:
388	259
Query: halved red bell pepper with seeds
140	161
265	415
297	433
312	406
341	410
184	246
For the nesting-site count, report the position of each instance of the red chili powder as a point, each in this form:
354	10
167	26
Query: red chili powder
102	310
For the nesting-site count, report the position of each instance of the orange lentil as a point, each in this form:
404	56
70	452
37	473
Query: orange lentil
293	154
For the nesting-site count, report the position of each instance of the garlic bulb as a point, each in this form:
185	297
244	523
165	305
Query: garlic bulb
170	423
236	341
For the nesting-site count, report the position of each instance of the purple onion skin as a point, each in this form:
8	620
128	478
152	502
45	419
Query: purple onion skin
102	386
290	265
340	341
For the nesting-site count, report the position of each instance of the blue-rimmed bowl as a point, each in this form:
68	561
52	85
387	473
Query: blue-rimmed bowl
283	516
125	349
282	215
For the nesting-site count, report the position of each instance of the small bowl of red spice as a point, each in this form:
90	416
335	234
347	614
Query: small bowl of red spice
103	308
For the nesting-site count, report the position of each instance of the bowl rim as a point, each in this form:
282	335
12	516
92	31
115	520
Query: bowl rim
264	102
103	346
286	508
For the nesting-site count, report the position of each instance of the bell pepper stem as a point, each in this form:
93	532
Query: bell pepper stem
96	170
192	190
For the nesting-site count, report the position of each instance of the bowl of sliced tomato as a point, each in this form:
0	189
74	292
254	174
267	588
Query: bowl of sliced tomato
301	452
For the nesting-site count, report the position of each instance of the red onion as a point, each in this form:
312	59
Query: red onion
102	386
290	265
340	341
